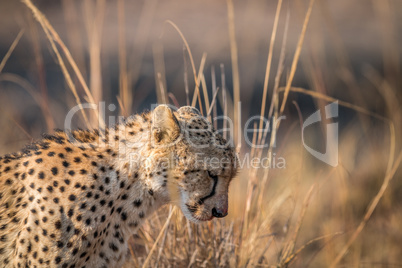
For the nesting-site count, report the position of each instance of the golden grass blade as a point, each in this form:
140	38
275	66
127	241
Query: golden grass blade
11	118
370	210
159	69
40	68
197	89
289	248
297	252
94	17
186	87
213	102
11	49
189	52
173	99
331	99
23	83
268	66
52	36
214	90
205	92
121	105
296	56
161	233
162	89
273	105
141	36
124	92
235	68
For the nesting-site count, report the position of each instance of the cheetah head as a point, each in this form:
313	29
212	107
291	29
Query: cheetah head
204	162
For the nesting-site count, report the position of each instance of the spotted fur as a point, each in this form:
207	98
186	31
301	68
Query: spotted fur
74	199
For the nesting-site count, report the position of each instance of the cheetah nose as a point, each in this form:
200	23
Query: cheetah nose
218	213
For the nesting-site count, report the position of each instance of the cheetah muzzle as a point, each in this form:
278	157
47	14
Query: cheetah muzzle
74	198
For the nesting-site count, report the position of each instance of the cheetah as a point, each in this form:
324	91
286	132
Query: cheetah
74	198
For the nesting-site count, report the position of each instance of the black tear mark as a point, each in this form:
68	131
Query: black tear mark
215	178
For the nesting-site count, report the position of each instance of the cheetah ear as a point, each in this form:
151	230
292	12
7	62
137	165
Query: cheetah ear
165	127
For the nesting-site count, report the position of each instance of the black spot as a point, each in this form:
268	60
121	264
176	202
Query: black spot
107	180
83	171
89	194
71	172
39	160
57	260
77	159
113	247
151	192
58	225
124	196
79	217
137	203
60	244
88	221
72	197
67	181
70	212
102	202
54	171
50	188
68	149
31	171
124	216
51	154
66	164
56	200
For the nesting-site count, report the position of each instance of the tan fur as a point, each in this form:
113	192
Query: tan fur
74	199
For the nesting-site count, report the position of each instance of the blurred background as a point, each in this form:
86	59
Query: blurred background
130	54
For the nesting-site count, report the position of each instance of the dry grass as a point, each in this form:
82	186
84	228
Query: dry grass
307	215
